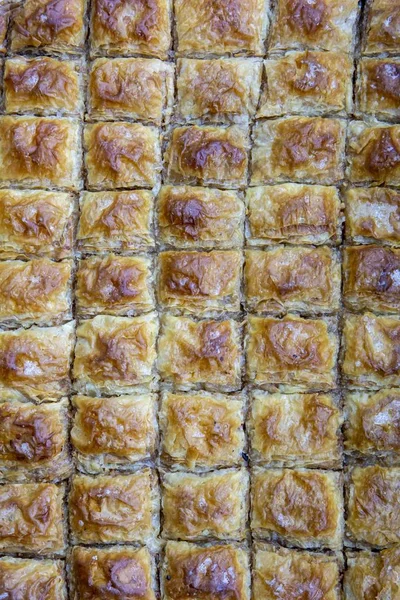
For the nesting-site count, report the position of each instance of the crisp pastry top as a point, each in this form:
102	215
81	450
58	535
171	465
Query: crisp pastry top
320	25
372	425
121	155
205	506
199	282
281	574
206	572
200	353
37	291
121	572
371	350
113	431
42	86
52	25
374	153
199	217
293	213
294	429
115	221
302	149
125	28
379	87
382	31
292	278
112	508
39	152
31	518
35	362
307	83
372	575
373	214
208	156
217	90
371	279
293	353
303	507
373	511
201	430
137	88
115	354
25	578
215	27
4	20
115	285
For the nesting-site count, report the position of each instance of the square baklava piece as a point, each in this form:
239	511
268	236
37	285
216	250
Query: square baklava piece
29	577
113	433
372	574
373	215
378	88
381	30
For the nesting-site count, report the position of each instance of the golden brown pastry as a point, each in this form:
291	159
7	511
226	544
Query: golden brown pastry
35	292
208	156
282	574
201	430
35	362
4	22
371	351
372	575
206	572
289	430
199	282
112	509
40	152
114	285
115	354
307	83
373	153
135	88
212	505
51	25
124	28
115	221
282	279
118	573
302	149
382	28
298	506
294	214
200	354
373	506
221	27
217	90
26	578
378	88
320	25
372	278
373	214
291	354
42	86
33	440
199	217
121	155
372	424
113	432
36	223
31	518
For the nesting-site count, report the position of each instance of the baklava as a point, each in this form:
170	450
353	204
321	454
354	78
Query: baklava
378	88
372	573
381	30
373	215
27	577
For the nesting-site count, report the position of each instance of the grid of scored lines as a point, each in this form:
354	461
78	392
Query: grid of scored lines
191	398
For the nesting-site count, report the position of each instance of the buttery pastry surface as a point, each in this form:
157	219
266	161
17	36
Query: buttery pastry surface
378	88
372	575
200	430
115	354
382	31
206	572
206	506
284	279
301	149
26	578
31	518
301	507
293	213
288	430
114	508
115	432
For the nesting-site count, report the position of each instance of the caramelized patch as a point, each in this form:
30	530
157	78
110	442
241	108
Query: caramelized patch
141	26
308	17
39	79
384	154
112	150
38	146
188	215
385	77
312	74
307	142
